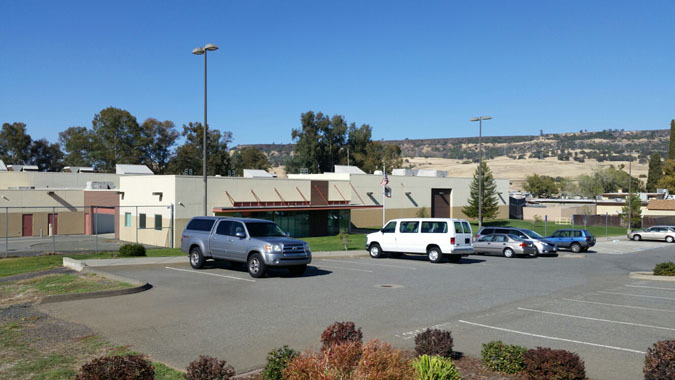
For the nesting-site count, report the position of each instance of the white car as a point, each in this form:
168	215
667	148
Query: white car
435	237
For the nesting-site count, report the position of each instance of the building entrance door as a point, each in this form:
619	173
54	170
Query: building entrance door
440	203
27	225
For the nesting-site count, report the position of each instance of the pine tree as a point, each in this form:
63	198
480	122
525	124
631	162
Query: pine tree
671	153
655	172
489	195
633	201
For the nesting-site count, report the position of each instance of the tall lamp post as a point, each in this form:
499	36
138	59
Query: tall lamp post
629	198
480	119
200	51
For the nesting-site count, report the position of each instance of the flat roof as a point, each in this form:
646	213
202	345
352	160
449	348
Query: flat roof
293	208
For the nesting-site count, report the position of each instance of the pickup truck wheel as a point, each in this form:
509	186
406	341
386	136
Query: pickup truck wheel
256	266
297	270
670	239
508	252
637	237
196	258
575	247
434	254
375	251
454	258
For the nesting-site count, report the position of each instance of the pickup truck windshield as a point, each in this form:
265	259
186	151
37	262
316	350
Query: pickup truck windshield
262	229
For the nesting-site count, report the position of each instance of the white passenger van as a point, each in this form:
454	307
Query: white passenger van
435	237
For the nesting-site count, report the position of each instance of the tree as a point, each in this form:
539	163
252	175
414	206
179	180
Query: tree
632	201
117	139
607	180
668	179
189	155
159	138
489	207
47	156
249	158
15	144
541	186
77	143
655	172
671	151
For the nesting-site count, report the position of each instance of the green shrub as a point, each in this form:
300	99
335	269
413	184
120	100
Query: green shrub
130	367
548	364
434	342
435	368
340	332
132	250
660	361
277	360
665	269
502	357
209	368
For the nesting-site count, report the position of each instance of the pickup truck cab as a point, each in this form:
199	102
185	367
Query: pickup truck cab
258	243
435	237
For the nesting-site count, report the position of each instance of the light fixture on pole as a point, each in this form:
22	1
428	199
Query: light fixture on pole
200	51
480	119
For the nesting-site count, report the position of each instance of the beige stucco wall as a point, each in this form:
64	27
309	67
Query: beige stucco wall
616	209
66	203
54	179
14	224
554	212
658	212
148	235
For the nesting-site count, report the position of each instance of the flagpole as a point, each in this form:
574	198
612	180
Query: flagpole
384	185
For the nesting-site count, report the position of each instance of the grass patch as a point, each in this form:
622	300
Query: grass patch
550	228
163	372
332	243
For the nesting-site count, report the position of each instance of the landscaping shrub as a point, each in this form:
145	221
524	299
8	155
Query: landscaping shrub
209	368
435	368
548	364
340	332
132	250
502	357
130	367
434	342
277	360
660	361
665	269
379	361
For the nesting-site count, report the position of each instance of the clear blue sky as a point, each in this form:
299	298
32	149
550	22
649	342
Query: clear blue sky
415	69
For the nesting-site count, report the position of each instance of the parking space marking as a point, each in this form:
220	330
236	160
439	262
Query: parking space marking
338	267
378	265
553	338
635	295
211	274
596	319
649	287
616	305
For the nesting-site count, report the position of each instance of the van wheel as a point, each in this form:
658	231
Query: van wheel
435	255
297	270
670	239
256	266
375	251
508	253
454	258
637	237
196	258
576	247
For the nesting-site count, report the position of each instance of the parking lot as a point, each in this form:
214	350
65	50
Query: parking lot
583	303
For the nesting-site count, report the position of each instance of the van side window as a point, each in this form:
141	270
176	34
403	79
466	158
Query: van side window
458	228
389	228
434	227
409	227
467	227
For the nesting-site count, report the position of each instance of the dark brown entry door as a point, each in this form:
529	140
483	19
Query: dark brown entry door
54	222
27	225
440	203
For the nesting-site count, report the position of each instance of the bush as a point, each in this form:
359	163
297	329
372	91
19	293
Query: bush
660	361
340	332
665	269
209	368
277	360
379	361
434	342
502	357
548	364
435	368
132	250
130	367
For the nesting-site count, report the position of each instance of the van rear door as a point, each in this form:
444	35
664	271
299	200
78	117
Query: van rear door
463	234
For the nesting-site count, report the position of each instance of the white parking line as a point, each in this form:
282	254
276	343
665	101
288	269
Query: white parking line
649	287
596	319
378	265
333	266
635	295
553	338
625	306
211	274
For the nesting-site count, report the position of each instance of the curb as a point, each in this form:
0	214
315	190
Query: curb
650	276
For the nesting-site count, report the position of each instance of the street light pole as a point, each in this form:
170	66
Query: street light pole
480	167
629	198
200	51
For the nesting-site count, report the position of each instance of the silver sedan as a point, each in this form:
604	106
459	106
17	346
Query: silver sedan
654	233
506	245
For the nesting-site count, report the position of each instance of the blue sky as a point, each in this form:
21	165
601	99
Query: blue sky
415	69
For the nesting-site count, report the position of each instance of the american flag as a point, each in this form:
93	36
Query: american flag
385	179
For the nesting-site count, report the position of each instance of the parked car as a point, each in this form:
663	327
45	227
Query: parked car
654	233
506	245
258	243
435	237
541	244
576	240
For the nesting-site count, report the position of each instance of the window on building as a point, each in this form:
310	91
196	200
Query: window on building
127	219
141	221
158	222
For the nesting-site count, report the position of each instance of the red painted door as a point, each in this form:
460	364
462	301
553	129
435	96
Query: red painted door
54	222
27	225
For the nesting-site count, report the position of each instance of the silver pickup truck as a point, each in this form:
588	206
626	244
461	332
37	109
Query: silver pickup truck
256	242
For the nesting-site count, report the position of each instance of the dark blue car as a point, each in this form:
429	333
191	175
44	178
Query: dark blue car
576	240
